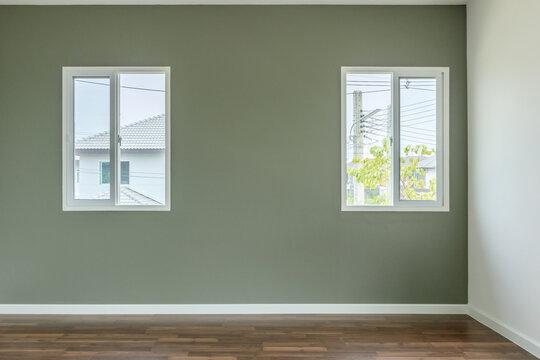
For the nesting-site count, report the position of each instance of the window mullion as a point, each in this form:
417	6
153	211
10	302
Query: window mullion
69	161
113	167
440	140
395	138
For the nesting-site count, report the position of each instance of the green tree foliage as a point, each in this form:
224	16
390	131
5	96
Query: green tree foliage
375	171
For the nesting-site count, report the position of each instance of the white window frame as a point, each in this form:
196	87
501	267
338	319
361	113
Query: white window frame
442	74
69	203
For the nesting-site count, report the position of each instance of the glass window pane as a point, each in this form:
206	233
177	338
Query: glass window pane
369	131
418	136
124	177
105	172
91	109
142	133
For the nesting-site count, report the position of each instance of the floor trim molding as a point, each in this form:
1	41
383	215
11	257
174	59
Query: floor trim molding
508	332
123	309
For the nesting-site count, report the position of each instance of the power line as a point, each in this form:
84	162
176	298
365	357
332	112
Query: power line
418	135
362	85
404	132
372	91
421	122
415	128
420	112
416	138
416	108
419	117
122	86
418	103
415	88
389	81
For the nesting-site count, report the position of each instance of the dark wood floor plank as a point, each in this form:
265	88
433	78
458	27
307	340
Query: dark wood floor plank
248	337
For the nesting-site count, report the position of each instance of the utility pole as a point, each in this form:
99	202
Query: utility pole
358	130
358	143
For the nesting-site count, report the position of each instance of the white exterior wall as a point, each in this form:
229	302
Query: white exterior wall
146	173
431	173
88	185
504	165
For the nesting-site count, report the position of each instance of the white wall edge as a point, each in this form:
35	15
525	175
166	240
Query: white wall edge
508	332
203	309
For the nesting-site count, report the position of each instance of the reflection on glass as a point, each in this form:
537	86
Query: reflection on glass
418	130
142	139
92	136
369	130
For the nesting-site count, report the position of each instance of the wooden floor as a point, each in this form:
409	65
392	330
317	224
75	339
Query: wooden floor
238	337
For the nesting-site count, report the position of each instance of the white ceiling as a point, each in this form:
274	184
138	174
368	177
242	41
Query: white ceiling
232	2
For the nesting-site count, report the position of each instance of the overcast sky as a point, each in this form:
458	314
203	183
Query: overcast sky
141	96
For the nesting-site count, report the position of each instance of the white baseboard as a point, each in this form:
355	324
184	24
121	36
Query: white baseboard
508	332
96	309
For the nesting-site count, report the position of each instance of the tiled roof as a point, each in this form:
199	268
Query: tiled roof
129	196
144	134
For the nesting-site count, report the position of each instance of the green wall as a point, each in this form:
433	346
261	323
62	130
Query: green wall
255	159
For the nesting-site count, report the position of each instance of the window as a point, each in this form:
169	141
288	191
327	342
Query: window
124	172
395	139
105	172
116	142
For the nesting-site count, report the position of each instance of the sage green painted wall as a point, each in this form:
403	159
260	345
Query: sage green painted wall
255	159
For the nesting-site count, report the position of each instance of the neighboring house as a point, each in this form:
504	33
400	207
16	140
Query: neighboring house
142	157
429	165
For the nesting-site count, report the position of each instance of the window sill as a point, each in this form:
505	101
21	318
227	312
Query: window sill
376	208
117	208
